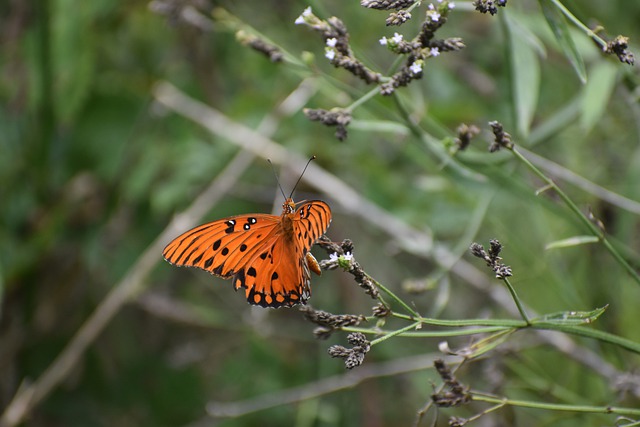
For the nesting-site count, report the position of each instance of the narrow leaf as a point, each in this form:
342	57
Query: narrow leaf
572	317
482	346
597	92
560	28
572	241
525	73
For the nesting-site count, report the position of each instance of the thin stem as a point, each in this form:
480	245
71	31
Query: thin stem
479	397
572	206
396	298
579	23
364	98
512	291
395	333
430	334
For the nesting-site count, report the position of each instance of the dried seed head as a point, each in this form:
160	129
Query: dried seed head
457	394
271	51
501	138
492	258
353	356
465	133
618	46
337	117
489	6
398	18
386	4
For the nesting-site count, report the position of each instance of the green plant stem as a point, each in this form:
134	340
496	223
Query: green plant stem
572	206
590	333
479	397
430	334
503	323
579	23
364	98
515	297
397	299
395	333
496	325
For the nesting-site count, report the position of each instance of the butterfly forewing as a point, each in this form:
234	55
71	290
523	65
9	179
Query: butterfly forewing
221	247
266	254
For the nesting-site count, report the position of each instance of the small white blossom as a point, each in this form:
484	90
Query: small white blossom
397	38
435	16
452	5
439	1
434	51
431	7
330	54
300	19
416	67
383	41
332	42
348	256
333	257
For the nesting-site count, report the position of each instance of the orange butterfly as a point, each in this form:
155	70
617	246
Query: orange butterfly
268	255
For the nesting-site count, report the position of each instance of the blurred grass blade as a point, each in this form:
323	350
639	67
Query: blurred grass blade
525	72
485	344
572	241
560	28
572	317
597	92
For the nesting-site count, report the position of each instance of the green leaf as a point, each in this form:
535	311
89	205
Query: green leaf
560	28
525	72
572	241
571	317
485	344
597	92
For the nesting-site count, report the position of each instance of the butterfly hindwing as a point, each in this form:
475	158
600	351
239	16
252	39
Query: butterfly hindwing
280	275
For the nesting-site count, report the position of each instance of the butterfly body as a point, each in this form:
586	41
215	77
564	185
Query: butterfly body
268	255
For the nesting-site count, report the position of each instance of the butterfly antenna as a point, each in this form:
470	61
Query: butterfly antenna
303	171
277	180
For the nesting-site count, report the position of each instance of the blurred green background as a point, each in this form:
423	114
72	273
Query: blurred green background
93	168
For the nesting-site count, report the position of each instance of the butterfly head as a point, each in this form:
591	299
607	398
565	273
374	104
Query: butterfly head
289	206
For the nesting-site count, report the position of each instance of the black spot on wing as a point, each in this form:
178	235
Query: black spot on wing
216	244
252	272
208	262
225	251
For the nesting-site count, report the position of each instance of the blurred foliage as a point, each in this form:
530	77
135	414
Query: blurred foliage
92	169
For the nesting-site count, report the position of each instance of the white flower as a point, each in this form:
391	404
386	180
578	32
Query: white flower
416	67
333	257
383	41
397	38
431	7
452	5
439	1
300	19
434	51
330	54
348	256
332	42
435	16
